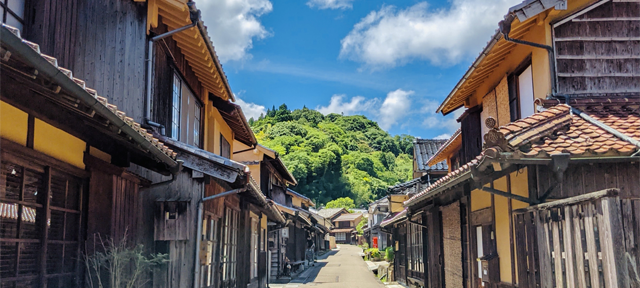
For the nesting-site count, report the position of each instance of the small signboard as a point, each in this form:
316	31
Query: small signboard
375	242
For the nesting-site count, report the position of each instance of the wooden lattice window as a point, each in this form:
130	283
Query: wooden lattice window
230	248
39	227
210	243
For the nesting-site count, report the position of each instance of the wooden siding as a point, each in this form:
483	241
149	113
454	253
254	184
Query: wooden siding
471	134
102	42
586	178
169	58
579	245
598	52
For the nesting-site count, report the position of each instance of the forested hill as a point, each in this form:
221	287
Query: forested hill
336	156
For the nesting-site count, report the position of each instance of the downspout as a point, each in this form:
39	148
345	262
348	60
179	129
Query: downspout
505	28
196	276
194	15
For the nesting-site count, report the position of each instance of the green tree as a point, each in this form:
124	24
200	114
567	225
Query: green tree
344	202
360	225
335	156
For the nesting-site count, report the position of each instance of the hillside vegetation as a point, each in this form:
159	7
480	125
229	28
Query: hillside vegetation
336	156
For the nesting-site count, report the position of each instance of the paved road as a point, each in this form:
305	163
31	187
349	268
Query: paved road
343	268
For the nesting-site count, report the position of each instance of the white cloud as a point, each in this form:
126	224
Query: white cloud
339	106
251	110
394	107
391	36
330	4
449	122
444	136
234	24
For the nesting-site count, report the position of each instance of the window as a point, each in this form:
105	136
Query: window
230	247
209	240
31	195
521	92
13	12
341	237
254	247
344	224
185	113
225	148
415	245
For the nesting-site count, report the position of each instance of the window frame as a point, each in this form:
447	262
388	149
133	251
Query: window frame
52	170
7	11
177	107
514	89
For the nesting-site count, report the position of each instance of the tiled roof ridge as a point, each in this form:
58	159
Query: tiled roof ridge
630	102
536	126
421	140
549	132
102	100
445	145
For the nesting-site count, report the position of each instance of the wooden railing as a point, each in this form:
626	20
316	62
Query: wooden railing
586	241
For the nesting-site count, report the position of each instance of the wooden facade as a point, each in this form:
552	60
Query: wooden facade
105	185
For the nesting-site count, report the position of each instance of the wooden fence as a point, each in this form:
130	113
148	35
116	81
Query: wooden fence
586	241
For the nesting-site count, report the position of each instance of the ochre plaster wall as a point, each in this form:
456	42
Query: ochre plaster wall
58	144
13	123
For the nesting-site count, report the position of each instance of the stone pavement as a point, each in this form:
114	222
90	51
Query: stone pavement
342	268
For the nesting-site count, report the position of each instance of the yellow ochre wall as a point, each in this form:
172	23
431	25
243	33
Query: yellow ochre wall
214	126
296	201
481	199
395	202
47	139
13	123
58	144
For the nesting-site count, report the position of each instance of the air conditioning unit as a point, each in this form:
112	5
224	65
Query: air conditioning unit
285	232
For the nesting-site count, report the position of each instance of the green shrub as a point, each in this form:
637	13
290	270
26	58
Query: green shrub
365	246
388	255
375	253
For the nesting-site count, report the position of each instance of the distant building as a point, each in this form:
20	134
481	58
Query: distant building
345	227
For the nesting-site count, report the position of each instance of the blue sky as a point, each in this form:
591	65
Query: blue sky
393	61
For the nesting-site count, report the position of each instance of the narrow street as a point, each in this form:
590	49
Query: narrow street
341	268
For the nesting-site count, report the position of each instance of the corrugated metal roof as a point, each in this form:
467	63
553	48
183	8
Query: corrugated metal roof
423	150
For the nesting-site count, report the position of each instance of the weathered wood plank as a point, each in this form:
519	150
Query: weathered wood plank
611	238
576	217
532	245
521	251
544	250
568	247
592	252
557	254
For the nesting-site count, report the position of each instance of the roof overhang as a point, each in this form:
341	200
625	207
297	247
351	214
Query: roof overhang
496	51
276	161
234	117
37	83
305	199
193	42
447	148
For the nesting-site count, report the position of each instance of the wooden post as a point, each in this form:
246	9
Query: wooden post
543	248
611	238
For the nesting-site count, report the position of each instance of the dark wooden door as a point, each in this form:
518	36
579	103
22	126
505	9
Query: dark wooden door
401	254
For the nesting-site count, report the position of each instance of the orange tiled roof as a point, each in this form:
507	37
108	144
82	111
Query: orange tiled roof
555	131
155	143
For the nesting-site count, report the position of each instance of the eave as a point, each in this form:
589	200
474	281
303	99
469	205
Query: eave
194	43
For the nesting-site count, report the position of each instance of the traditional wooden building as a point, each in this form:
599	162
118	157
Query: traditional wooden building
423	149
168	182
543	184
287	243
345	228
